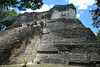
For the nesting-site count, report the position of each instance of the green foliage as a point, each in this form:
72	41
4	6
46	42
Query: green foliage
25	62
98	34
96	14
42	22
21	4
7	17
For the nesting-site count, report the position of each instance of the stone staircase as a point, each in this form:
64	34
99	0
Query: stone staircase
67	40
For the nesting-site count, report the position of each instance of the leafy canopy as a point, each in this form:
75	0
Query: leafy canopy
21	4
98	34
7	17
96	14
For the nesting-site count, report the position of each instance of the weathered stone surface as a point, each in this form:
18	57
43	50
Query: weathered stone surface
68	40
47	15
65	39
19	43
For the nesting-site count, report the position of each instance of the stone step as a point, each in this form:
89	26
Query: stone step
46	30
65	23
68	43
47	52
69	32
46	56
75	43
57	43
47	47
48	37
52	58
64	28
52	37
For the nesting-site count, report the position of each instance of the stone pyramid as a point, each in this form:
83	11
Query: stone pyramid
67	41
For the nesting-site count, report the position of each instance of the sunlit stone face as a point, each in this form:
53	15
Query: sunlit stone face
64	14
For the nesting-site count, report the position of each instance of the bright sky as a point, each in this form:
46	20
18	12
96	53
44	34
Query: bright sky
82	8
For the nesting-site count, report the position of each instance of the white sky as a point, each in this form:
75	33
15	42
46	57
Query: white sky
82	4
45	7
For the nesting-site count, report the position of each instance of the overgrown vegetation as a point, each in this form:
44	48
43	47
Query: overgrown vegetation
21	4
25	62
42	22
96	14
7	17
98	34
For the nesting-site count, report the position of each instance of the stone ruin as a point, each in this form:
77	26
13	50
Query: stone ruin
64	40
68	41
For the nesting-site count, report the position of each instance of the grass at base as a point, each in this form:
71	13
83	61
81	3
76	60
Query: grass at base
35	65
41	65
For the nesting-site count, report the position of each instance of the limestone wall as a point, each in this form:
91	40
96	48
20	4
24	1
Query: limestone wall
19	43
25	18
64	14
64	11
68	40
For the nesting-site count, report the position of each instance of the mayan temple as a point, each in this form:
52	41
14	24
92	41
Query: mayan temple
63	40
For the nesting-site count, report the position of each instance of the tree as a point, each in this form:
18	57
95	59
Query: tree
21	4
7	17
96	14
98	34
